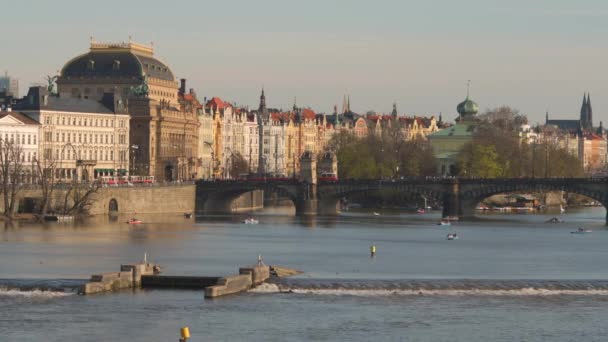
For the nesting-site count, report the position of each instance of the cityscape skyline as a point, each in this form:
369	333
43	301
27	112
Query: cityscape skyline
525	56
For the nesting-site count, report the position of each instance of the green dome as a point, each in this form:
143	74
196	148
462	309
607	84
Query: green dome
467	107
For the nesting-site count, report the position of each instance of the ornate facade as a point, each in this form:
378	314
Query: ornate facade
164	126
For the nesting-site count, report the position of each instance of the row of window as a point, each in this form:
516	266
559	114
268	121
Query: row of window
69	154
20	138
72	121
82	138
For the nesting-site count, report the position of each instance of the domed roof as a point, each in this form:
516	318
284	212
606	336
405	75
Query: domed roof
120	61
467	107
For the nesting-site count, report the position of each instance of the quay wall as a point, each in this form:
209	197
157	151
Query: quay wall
127	200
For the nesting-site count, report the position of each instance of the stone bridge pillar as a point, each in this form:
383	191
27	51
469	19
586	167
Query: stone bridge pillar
451	200
307	202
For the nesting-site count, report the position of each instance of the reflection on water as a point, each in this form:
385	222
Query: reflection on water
472	288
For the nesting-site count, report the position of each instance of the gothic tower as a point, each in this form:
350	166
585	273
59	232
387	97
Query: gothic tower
586	118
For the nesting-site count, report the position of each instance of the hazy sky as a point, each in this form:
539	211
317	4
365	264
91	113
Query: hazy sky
535	55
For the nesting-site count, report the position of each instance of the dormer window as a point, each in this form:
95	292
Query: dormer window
116	65
91	65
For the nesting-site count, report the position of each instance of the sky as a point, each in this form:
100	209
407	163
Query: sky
533	55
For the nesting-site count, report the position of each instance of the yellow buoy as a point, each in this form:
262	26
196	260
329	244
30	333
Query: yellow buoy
185	331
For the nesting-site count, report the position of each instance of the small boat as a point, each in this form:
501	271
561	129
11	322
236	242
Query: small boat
134	221
452	237
581	231
250	220
51	218
65	218
420	211
561	209
376	213
188	215
554	220
444	222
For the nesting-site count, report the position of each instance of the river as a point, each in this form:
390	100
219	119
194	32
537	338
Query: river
508	277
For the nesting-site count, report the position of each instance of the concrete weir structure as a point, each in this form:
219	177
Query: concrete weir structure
144	275
128	277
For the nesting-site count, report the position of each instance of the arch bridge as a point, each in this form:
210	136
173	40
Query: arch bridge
459	196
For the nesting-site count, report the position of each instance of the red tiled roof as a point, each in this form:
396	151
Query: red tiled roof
216	102
308	114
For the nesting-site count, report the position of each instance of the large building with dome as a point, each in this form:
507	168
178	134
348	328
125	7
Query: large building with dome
449	142
164	132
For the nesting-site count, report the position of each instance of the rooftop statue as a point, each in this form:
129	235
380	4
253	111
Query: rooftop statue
51	83
142	89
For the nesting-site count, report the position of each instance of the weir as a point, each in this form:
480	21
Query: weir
145	275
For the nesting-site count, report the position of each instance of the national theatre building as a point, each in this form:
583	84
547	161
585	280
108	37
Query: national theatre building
163	132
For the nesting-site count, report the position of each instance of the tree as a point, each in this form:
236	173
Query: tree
484	163
11	173
238	165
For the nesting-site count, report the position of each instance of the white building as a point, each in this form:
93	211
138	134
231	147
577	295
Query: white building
81	139
251	141
205	143
21	132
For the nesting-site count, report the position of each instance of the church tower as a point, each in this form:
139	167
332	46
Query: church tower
586	118
394	112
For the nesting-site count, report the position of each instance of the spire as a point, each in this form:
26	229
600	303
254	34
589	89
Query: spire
344	108
586	118
336	116
546	117
468	87
394	112
295	106
263	112
348	103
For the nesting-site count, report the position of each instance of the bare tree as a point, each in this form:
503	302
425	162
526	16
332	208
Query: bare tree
44	173
11	173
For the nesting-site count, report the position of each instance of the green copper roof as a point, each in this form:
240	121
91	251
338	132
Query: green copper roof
458	130
467	107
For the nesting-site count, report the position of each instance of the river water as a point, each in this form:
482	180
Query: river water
508	278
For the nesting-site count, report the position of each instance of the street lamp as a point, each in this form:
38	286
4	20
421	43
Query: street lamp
134	149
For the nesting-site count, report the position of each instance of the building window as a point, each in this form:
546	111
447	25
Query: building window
85	122
111	155
29	139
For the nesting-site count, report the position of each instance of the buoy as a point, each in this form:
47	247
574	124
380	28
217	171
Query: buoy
185	333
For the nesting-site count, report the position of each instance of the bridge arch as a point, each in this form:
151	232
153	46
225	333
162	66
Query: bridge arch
217	197
331	194
472	195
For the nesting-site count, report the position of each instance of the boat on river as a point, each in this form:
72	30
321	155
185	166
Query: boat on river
452	236
250	220
581	231
444	222
134	221
554	220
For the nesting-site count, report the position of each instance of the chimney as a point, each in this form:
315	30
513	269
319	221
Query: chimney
182	88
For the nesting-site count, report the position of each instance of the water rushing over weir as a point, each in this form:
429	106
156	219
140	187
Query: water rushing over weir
440	287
